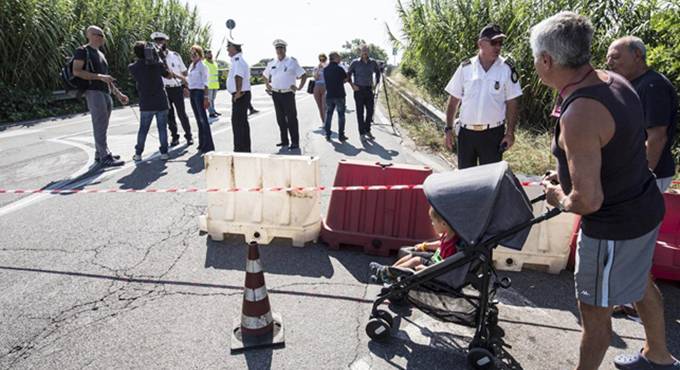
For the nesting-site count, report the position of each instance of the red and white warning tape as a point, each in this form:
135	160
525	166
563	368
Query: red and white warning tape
228	190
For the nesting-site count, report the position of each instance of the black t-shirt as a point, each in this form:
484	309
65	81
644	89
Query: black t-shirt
660	106
98	63
335	76
150	87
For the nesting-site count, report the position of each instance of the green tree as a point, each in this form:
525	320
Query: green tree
352	50
263	62
39	35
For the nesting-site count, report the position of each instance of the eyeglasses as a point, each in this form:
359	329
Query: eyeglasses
98	34
496	42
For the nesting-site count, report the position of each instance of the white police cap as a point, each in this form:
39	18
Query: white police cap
279	42
233	41
159	35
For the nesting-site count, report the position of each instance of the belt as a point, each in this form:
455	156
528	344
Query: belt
482	126
282	91
170	86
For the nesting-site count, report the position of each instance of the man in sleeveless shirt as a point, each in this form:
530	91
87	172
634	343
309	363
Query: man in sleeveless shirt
601	135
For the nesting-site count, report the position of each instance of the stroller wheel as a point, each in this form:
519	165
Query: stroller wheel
378	329
384	315
481	359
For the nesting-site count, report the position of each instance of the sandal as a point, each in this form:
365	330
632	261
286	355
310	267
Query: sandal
639	362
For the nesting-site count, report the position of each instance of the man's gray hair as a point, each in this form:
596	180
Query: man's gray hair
634	44
93	28
566	37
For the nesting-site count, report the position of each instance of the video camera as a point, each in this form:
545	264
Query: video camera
153	54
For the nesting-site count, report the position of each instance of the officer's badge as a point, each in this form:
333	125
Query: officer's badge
497	85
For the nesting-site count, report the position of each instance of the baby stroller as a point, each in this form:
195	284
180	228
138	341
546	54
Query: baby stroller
486	206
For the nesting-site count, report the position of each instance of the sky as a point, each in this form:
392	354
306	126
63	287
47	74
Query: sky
309	27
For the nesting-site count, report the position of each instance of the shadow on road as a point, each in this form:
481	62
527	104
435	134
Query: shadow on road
144	174
195	163
278	258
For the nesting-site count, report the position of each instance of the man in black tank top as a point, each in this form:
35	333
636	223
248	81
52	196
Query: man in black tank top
602	175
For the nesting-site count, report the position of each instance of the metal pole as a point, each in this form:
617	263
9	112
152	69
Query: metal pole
389	110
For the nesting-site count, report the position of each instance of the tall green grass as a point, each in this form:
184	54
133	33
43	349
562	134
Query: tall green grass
38	35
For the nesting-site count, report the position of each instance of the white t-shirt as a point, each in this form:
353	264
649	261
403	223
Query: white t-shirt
176	66
283	73
240	68
198	76
483	93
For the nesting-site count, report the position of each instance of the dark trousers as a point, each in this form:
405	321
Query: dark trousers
205	141
331	105
364	99
482	146
239	123
176	100
286	117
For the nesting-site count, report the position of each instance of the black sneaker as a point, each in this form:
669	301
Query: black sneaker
282	144
115	156
294	146
343	138
111	161
370	136
254	111
218	113
328	137
174	142
212	115
190	142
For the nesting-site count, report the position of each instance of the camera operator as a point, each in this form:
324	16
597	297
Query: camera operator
148	71
174	88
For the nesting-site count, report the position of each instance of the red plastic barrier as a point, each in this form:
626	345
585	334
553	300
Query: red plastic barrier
666	264
379	221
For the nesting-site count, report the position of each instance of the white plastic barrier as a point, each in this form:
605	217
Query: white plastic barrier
262	216
546	248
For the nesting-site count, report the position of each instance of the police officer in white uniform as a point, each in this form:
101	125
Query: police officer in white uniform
280	76
488	90
174	87
238	85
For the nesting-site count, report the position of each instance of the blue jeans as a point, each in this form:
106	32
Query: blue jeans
145	124
205	141
339	105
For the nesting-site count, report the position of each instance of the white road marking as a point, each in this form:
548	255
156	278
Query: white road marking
19	132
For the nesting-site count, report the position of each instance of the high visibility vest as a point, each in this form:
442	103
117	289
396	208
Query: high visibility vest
213	77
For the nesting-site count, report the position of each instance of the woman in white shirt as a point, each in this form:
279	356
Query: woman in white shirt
198	95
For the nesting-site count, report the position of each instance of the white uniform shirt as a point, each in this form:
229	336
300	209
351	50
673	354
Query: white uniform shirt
483	93
283	73
240	68
198	76
176	66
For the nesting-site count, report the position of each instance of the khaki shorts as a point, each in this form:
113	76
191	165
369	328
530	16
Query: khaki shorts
613	272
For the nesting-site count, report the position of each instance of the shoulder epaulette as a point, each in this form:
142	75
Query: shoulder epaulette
466	62
293	58
514	76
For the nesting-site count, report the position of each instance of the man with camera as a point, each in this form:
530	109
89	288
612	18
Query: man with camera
147	71
98	92
174	87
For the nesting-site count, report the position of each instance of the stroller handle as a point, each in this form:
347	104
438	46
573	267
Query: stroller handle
539	198
545	216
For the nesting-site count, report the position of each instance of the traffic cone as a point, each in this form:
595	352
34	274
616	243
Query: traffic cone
258	326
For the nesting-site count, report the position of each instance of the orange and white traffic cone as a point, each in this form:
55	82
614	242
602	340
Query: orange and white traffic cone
258	326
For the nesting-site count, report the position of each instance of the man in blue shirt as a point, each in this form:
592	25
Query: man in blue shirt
335	77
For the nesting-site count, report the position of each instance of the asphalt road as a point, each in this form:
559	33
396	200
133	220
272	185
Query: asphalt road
127	281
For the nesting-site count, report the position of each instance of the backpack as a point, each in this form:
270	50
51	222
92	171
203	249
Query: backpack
71	82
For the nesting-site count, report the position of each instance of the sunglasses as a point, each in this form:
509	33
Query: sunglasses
98	34
496	42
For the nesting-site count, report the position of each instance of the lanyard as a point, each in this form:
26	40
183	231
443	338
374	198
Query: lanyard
557	110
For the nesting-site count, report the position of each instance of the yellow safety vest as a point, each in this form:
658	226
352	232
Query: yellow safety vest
213	78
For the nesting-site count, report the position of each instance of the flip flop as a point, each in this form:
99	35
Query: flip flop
639	362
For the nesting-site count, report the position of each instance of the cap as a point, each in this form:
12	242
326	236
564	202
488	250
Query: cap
491	32
279	42
159	35
232	41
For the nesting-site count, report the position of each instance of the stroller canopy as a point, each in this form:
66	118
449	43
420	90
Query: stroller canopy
481	202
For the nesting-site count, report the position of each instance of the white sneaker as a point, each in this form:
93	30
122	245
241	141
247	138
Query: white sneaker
137	157
165	157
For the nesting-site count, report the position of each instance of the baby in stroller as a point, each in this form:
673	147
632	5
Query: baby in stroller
421	255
